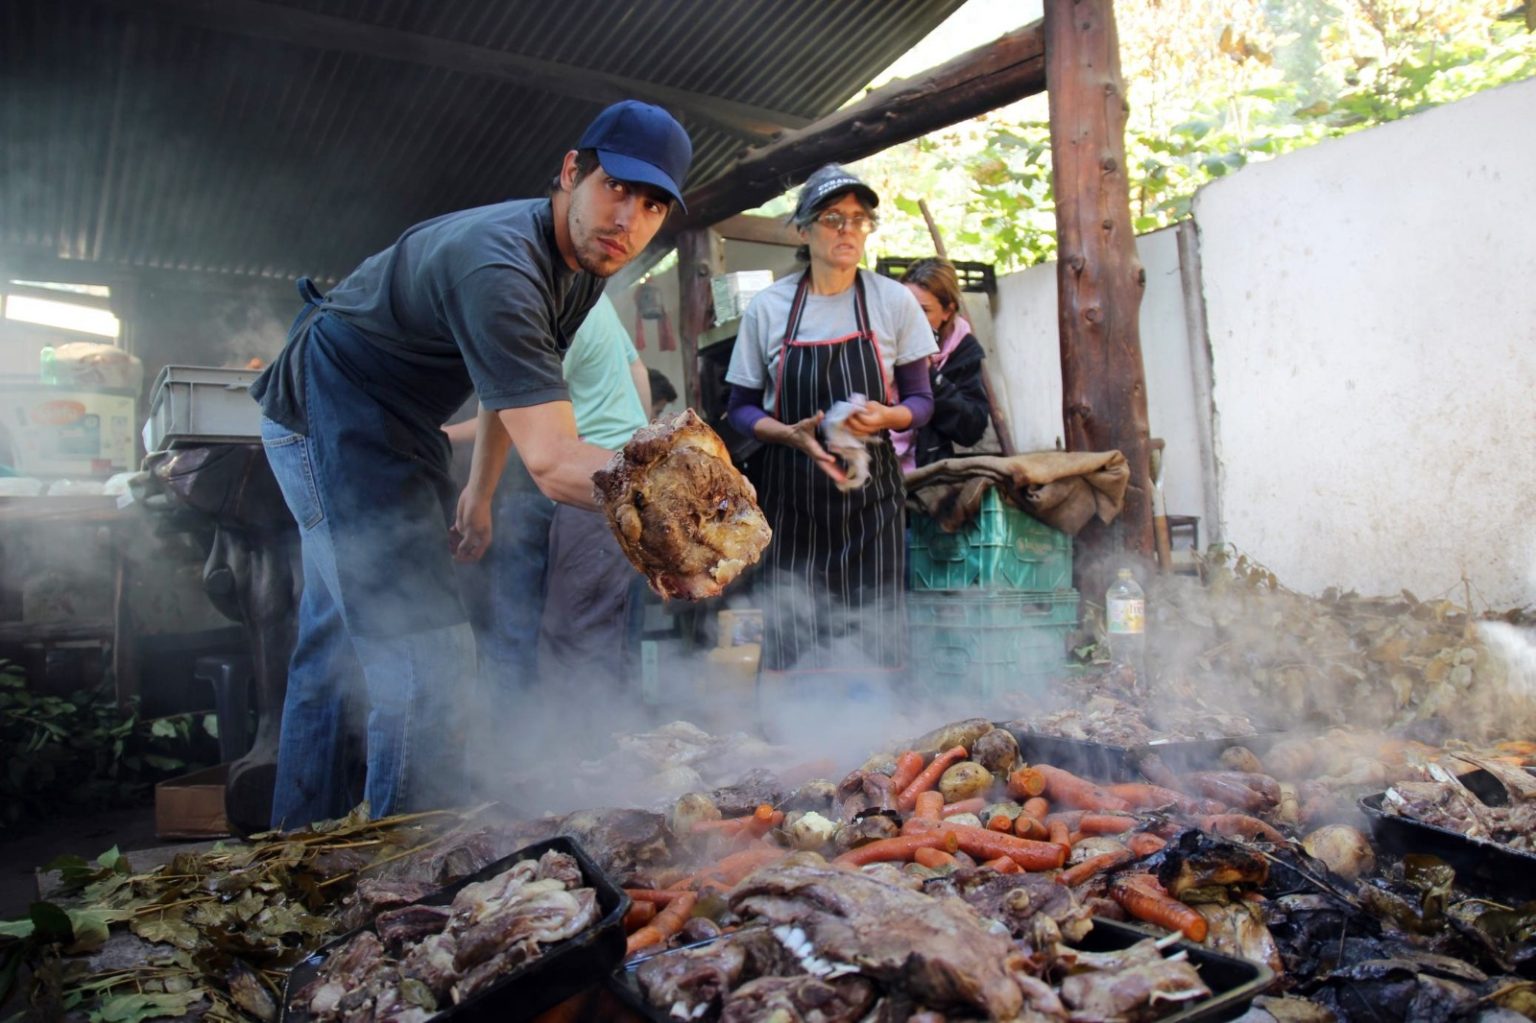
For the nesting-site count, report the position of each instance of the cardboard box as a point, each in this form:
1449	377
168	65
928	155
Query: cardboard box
192	806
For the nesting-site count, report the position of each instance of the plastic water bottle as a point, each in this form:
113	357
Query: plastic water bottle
48	365
1125	613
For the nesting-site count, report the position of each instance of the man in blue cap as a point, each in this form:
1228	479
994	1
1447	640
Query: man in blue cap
483	302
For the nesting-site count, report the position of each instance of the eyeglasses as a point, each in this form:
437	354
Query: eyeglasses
859	223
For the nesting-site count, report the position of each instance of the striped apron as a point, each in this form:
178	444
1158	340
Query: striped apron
833	574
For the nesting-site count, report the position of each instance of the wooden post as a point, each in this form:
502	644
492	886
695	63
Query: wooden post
1099	278
700	256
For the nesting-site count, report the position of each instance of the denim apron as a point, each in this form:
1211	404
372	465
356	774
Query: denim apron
833	573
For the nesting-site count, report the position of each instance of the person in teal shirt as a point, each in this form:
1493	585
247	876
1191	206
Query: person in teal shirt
558	596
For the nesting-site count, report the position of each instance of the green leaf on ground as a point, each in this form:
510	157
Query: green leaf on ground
136	1007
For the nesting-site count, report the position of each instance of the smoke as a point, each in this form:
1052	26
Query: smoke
242	331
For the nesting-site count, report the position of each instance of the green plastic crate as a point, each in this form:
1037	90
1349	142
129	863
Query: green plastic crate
1003	549
979	644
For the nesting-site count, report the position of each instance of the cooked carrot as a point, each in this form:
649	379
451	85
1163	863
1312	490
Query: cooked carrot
1004	865
934	858
1067	788
1071	818
1075	837
763	820
1146	796
885	850
915	825
1057	833
1026	783
1026	826
988	845
666	924
1074	876
656	896
1227	791
736	866
1138	897
1239	825
1037	807
1000	822
640	914
730	827
929	777
795	775
929	805
973	805
908	766
1144	843
1106	824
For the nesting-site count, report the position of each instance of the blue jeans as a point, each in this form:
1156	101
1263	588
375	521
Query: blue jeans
373	531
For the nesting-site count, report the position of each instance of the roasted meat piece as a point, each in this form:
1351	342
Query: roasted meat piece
1127	984
840	1000
1195	860
685	980
399	929
1017	900
681	512
939	951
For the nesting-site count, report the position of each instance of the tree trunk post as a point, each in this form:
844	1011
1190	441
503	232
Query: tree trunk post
1099	276
700	256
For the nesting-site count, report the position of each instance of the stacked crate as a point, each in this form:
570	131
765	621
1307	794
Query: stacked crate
992	606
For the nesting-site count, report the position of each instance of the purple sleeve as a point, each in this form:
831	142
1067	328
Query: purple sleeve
916	391
746	407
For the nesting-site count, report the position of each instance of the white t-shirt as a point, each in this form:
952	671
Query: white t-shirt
894	315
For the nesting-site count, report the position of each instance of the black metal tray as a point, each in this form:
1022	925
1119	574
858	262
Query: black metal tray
563	970
1494	868
1233	982
1103	761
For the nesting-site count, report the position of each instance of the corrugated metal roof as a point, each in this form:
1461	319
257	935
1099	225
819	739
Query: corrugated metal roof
267	137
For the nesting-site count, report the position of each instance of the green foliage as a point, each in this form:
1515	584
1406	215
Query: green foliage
83	751
227	924
1213	85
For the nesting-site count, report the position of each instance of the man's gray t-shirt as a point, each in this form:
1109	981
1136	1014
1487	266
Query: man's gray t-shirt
896	319
480	299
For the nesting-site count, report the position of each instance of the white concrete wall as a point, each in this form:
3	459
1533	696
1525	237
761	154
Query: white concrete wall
1027	367
1371	307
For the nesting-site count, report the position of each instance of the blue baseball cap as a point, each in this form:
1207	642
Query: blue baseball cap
639	142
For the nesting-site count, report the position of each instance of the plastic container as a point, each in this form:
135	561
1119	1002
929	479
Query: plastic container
202	405
981	644
1491	868
563	970
1234	982
1110	762
1003	549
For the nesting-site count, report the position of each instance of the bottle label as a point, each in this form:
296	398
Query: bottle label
1127	617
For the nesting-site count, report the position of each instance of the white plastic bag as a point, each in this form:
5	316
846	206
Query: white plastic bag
852	448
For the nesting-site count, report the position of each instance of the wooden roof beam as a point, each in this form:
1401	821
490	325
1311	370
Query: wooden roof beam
1001	72
326	32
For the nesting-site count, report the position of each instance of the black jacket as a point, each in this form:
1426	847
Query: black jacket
960	411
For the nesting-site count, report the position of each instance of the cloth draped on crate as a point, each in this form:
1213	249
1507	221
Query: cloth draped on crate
1063	489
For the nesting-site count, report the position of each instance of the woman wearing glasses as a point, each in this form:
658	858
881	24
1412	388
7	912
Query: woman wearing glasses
833	574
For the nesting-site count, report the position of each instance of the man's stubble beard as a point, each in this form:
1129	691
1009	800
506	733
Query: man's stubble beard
600	266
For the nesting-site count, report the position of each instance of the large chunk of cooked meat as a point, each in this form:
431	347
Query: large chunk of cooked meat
939	951
682	513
